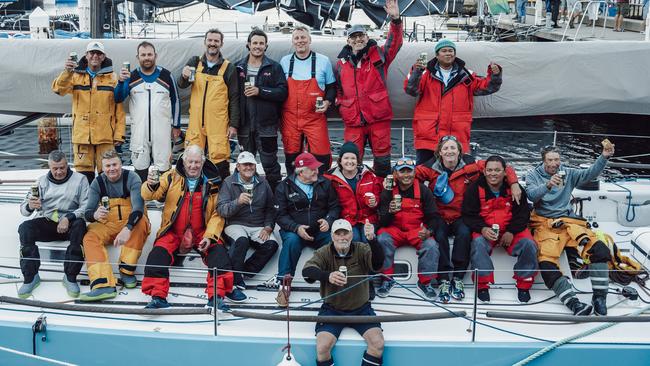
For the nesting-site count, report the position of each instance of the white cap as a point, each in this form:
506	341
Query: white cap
246	157
341	224
95	46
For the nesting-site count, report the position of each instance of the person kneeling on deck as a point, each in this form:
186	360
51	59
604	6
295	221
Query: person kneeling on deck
408	216
117	215
556	227
307	205
59	197
496	220
189	221
346	293
246	202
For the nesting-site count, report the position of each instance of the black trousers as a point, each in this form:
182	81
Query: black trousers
265	141
42	229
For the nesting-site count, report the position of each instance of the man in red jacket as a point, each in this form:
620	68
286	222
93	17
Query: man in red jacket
362	95
445	90
495	220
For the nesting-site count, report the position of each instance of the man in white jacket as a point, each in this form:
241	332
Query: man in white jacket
59	206
154	108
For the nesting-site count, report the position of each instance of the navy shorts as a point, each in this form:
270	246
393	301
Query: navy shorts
336	329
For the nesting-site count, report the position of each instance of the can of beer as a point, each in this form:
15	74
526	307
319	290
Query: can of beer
126	65
398	201
344	270
247	84
319	102
154	172
562	175
251	80
423	58
34	191
389	181
495	229
192	74
249	190
106	202
73	56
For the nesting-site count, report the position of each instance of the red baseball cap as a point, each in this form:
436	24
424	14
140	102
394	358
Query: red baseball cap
307	160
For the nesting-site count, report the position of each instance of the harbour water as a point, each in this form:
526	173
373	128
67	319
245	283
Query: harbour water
518	139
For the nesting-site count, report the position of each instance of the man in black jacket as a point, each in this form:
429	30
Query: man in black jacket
496	220
307	207
263	89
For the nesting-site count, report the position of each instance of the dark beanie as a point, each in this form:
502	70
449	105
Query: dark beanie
349	147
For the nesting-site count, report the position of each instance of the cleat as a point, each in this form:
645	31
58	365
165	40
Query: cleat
98	294
457	289
484	295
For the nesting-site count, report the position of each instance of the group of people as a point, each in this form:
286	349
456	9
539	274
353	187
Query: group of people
353	216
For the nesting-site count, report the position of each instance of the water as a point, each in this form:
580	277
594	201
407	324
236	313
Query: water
531	134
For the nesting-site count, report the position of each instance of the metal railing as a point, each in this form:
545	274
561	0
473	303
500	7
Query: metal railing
585	11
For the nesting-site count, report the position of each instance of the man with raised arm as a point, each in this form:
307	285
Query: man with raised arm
59	207
556	228
362	97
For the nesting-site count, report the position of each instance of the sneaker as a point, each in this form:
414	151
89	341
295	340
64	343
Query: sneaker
600	305
98	294
236	295
157	303
523	296
484	295
71	287
385	287
241	285
444	296
272	282
26	289
428	290
129	281
579	308
221	305
457	289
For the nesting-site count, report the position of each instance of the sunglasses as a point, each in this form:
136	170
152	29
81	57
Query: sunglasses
448	137
405	162
96	53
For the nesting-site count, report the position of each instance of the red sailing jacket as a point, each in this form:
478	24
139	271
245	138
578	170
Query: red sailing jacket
362	89
463	176
410	217
497	210
353	206
441	111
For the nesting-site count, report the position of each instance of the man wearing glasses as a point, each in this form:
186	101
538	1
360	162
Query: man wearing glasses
556	228
408	216
98	122
362	95
445	89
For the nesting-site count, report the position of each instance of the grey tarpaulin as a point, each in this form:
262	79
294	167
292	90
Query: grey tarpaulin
538	78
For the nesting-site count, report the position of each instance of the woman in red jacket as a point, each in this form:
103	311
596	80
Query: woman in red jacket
449	175
358	189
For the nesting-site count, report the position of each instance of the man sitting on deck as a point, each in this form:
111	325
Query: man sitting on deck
556	228
341	292
59	202
189	221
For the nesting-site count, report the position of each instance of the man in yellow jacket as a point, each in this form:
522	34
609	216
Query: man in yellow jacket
189	221
98	123
214	102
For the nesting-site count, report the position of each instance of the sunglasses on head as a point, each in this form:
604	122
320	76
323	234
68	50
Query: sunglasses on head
405	162
448	137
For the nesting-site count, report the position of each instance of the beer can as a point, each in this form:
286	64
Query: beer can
389	181
106	202
73	56
344	270
495	229
251	80
562	175
192	74
319	102
126	65
34	192
398	201
155	173
247	84
249	191
423	58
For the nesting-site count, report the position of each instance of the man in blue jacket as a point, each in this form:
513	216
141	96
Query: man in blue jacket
263	89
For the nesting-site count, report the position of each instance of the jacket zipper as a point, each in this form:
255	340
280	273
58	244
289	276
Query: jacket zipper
149	92
205	94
